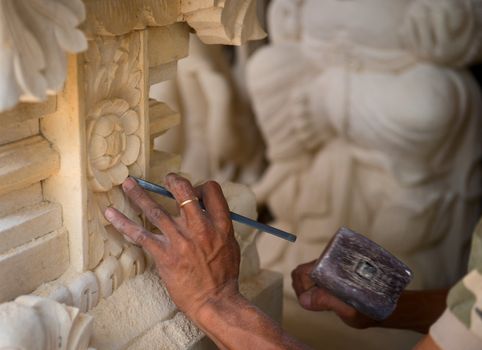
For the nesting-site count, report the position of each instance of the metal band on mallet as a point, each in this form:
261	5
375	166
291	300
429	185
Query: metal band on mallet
151	187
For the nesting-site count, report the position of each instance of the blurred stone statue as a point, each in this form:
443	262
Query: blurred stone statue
218	137
373	122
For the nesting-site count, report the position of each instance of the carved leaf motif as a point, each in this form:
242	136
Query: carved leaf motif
97	233
34	38
230	22
112	70
132	150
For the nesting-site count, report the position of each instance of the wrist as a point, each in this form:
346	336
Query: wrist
216	303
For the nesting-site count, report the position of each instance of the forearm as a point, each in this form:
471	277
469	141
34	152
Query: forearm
235	323
417	310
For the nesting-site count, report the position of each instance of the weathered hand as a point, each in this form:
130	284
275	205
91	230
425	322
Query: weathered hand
314	298
197	255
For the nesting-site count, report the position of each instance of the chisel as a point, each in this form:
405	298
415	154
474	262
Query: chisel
152	187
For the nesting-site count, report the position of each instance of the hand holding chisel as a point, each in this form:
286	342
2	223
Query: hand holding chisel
149	186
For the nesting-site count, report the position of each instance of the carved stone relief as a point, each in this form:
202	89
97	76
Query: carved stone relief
113	145
114	141
35	323
94	133
33	47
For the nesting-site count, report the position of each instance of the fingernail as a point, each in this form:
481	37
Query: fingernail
305	299
109	213
128	184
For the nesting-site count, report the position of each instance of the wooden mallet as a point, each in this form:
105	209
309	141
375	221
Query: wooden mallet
362	274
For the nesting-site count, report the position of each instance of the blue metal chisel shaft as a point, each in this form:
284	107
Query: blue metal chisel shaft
151	187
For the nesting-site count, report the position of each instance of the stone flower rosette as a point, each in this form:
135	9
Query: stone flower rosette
113	144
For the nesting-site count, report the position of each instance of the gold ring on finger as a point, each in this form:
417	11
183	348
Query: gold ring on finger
187	201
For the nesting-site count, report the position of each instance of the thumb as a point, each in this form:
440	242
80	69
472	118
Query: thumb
313	299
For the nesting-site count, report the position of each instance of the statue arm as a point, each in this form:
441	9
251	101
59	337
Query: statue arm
444	31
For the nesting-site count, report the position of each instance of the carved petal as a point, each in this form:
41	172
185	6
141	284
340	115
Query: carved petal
130	122
104	127
118	173
97	147
117	107
132	150
135	170
102	163
101	182
115	243
102	201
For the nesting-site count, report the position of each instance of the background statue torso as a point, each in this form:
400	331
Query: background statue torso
371	122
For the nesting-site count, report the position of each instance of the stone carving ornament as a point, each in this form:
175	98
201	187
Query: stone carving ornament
113	145
33	46
36	323
113	135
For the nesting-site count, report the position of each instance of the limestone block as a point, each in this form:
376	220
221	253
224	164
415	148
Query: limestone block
135	307
27	110
28	224
15	200
162	72
65	129
167	44
17	131
26	267
178	332
161	118
25	162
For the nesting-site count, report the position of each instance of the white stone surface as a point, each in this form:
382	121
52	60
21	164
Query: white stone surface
372	122
34	39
